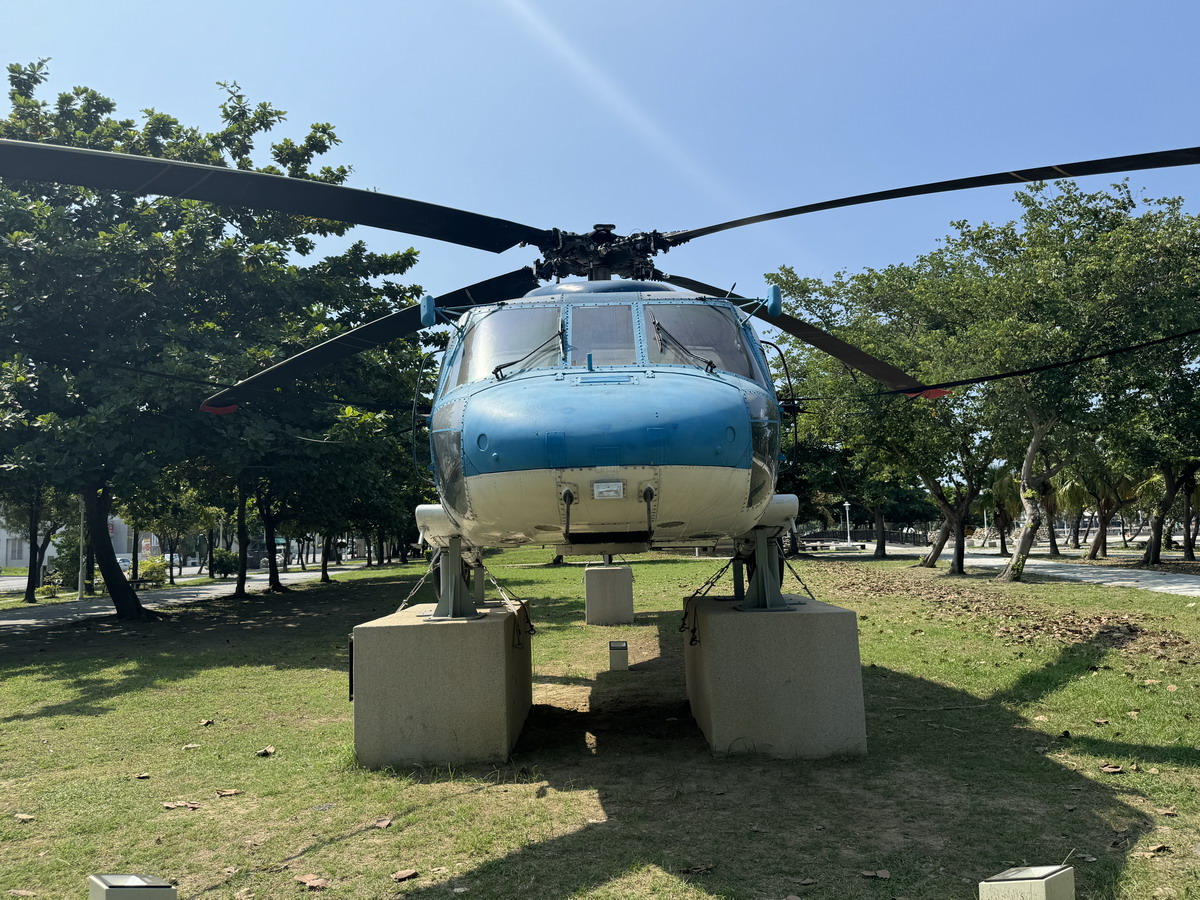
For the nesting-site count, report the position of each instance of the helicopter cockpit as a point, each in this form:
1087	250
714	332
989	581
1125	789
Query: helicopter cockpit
593	331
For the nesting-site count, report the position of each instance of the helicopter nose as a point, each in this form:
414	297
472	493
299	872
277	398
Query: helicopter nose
606	421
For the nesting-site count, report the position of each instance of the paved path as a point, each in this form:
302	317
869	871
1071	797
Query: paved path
1110	576
39	615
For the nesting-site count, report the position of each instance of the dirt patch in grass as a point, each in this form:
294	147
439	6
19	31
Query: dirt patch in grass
992	606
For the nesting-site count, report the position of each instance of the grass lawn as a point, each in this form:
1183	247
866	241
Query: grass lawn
990	711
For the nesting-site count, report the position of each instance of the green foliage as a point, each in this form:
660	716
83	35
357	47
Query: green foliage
104	291
66	545
47	590
153	569
224	563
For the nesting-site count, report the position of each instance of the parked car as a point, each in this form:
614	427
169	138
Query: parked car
126	562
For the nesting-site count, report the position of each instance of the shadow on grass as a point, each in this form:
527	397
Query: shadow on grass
305	628
956	788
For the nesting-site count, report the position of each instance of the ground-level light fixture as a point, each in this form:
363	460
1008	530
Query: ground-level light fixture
1030	883
618	656
129	887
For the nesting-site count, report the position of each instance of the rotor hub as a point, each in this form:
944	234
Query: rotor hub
599	254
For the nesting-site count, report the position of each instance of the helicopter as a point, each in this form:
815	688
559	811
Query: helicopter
630	410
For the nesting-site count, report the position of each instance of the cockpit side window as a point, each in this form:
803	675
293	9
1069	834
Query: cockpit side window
696	334
605	332
515	338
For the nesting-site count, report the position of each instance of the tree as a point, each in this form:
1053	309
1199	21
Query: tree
123	311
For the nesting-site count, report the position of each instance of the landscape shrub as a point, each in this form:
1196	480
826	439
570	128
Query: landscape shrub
224	563
46	590
153	568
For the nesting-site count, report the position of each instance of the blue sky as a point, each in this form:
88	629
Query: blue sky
665	114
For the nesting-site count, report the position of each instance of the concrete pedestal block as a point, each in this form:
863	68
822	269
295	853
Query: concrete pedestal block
608	593
440	692
788	684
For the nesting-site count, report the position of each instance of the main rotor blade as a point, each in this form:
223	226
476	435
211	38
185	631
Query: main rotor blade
1161	159
814	336
103	170
373	334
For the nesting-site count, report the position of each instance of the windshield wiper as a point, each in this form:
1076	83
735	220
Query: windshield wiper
560	335
661	332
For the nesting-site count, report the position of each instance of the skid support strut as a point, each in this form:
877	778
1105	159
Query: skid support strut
455	600
764	592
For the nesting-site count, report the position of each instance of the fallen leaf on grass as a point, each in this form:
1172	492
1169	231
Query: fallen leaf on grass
181	804
1099	721
1151	681
404	874
227	792
878	873
440	869
1111	769
265	751
1086	857
1134	768
23	817
20	893
142	775
313	882
1152	771
206	722
1133	713
697	870
1171	687
191	746
384	823
1041	719
1166	811
1153	852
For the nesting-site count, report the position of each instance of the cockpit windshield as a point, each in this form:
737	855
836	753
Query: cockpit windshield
605	333
696	334
511	339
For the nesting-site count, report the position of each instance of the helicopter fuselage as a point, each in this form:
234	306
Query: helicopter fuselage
602	417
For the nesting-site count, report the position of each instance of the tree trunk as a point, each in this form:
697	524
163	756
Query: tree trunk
137	546
326	552
1173	481
32	582
1189	548
880	533
1051	508
929	560
1099	547
269	523
1031	492
243	541
1003	532
96	504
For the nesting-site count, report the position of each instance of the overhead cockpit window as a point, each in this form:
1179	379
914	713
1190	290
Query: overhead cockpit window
510	339
695	334
604	332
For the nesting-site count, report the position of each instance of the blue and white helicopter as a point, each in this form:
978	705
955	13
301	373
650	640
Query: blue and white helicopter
606	416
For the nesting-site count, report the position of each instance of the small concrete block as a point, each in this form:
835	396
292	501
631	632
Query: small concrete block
609	595
1030	883
783	683
129	887
440	692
